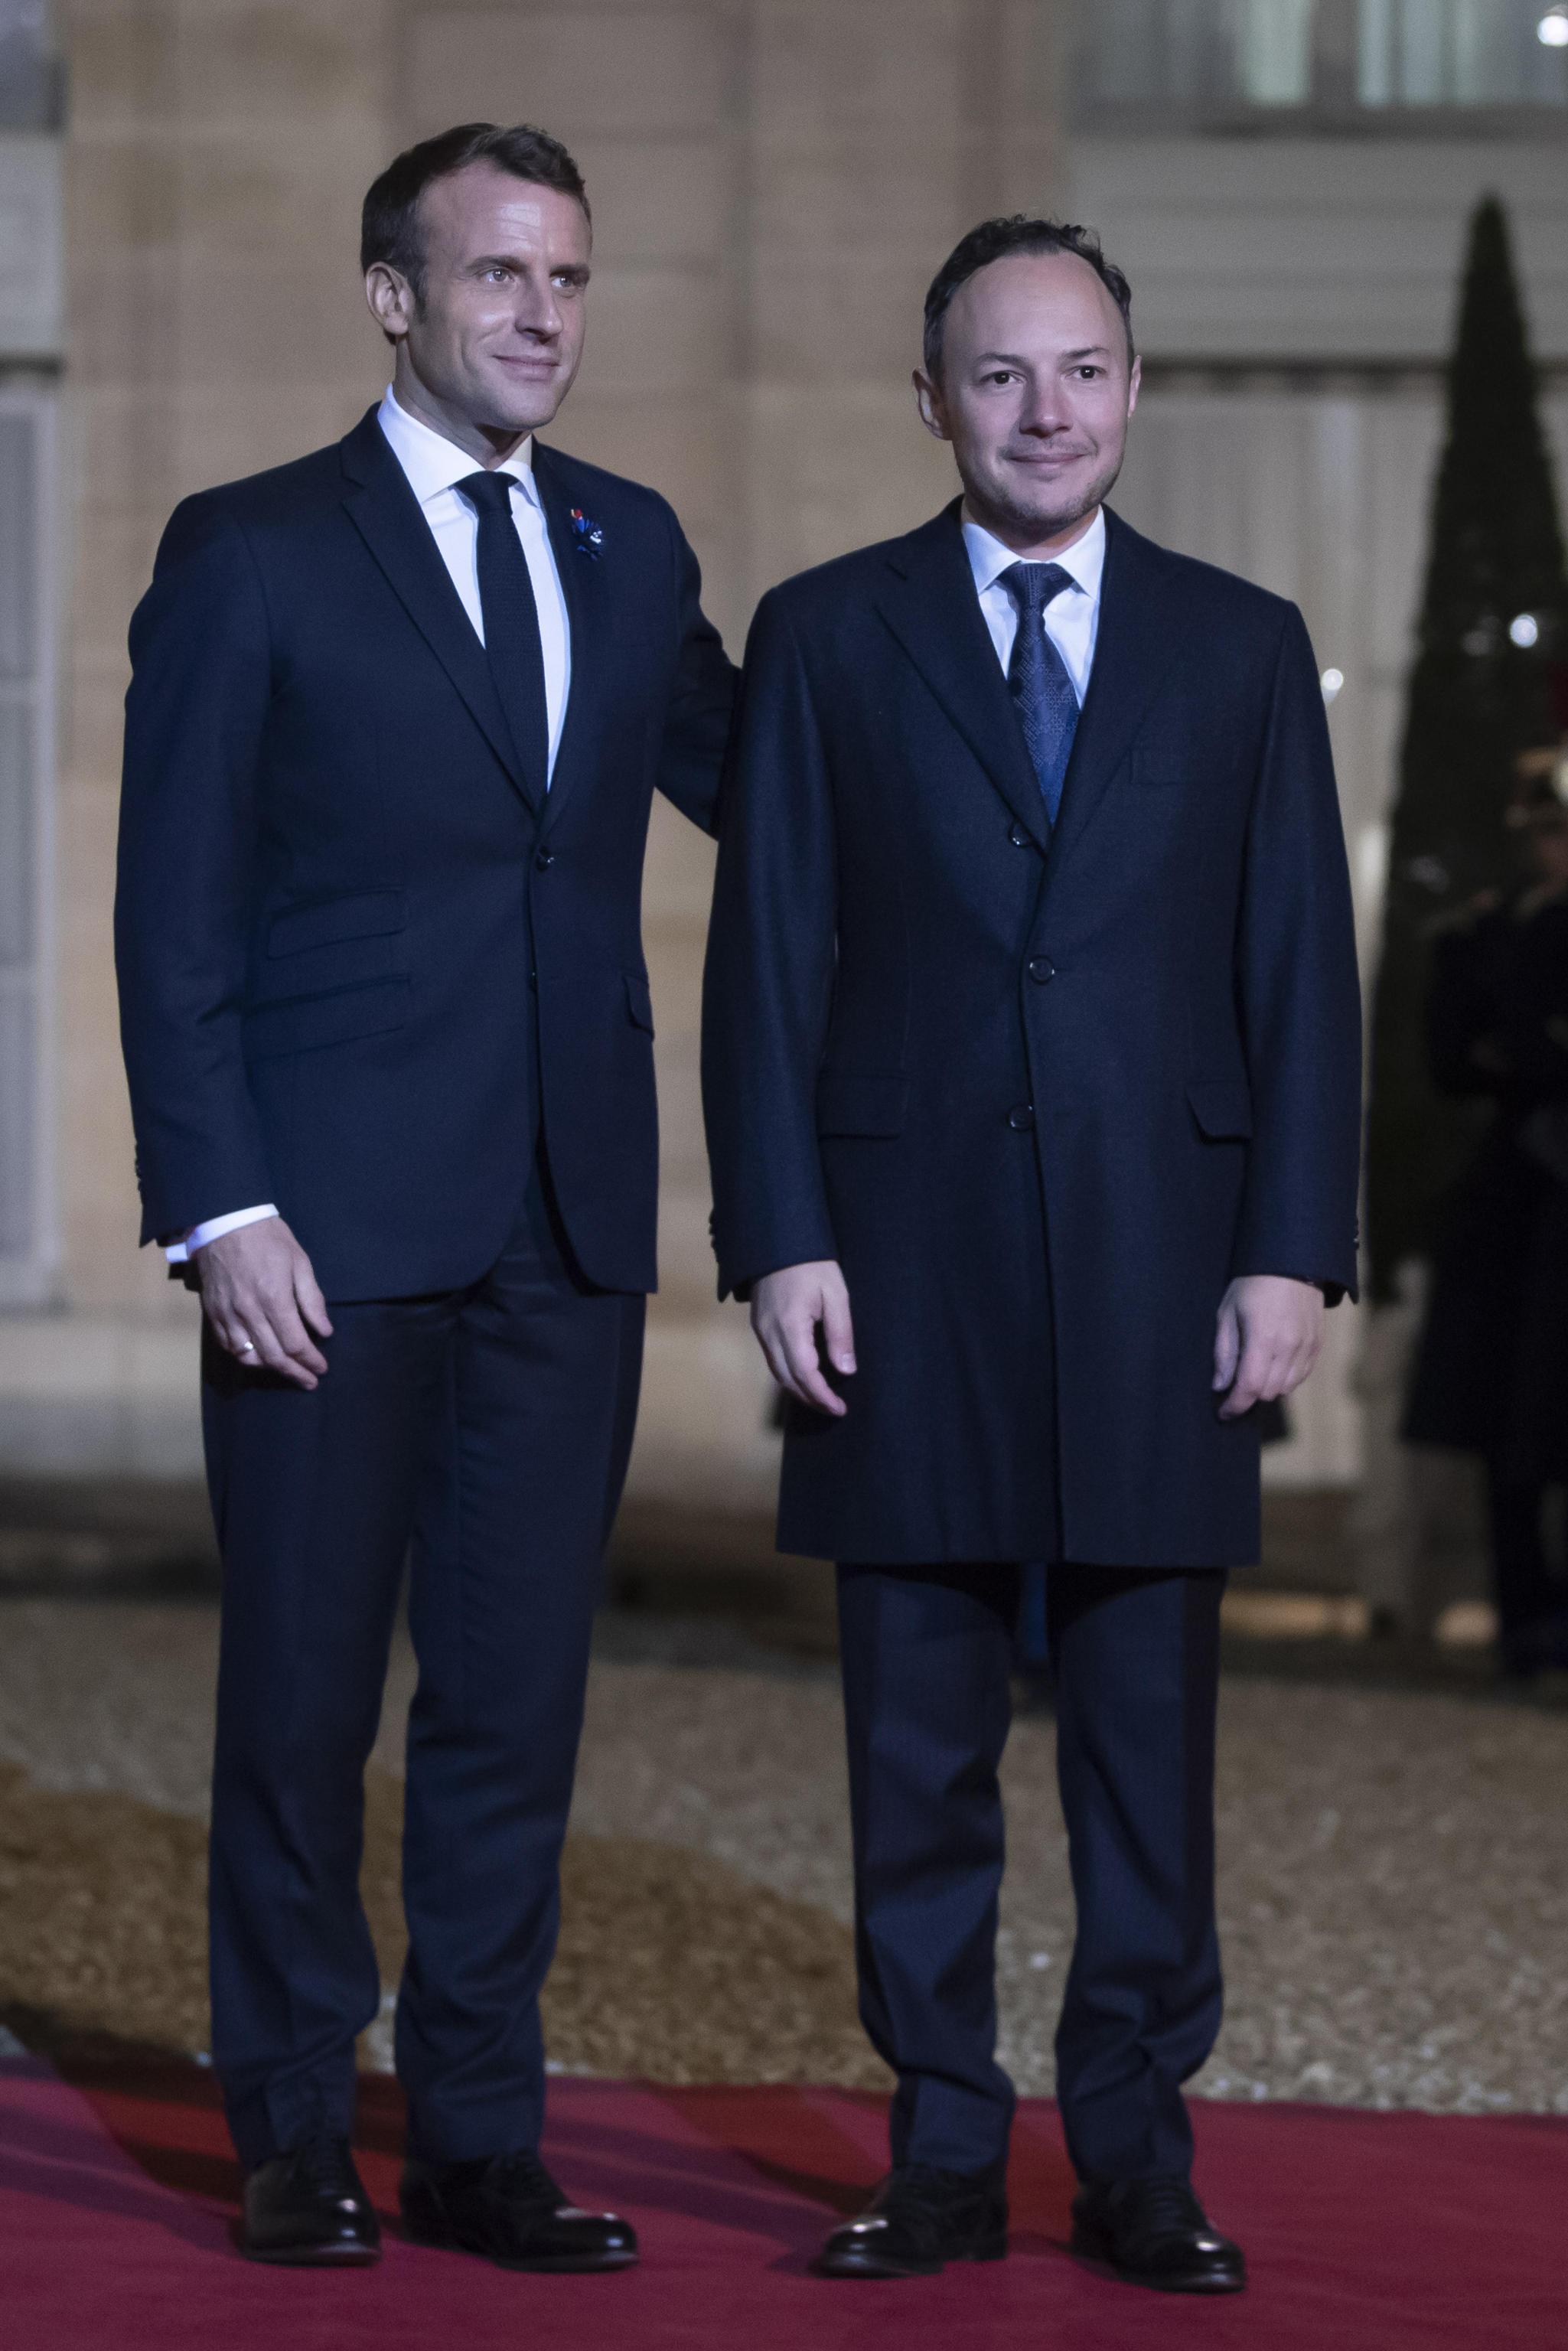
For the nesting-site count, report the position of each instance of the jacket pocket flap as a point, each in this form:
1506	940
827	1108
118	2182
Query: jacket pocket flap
852	1101
368	915
1222	1107
639	1002
306	1023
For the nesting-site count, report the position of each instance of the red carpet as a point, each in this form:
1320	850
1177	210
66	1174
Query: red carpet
1366	2233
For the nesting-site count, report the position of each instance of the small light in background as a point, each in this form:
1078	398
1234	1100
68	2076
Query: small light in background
1524	628
1553	30
1332	681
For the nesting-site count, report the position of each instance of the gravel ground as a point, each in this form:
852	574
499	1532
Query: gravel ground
1393	1861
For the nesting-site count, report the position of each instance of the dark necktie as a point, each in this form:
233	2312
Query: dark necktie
511	626
1036	677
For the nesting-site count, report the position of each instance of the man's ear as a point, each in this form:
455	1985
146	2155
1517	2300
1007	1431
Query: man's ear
391	299
928	400
1135	382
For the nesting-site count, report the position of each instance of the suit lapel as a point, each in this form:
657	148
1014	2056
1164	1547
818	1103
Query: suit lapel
387	515
930	605
1136	644
585	590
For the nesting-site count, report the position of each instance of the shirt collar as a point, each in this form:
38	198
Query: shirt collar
1084	561
435	463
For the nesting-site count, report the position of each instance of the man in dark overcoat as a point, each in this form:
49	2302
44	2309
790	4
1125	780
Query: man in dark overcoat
1033	1100
397	715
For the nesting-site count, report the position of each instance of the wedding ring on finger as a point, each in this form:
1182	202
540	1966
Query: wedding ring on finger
248	1348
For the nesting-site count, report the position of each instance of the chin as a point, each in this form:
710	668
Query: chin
1061	505
522	407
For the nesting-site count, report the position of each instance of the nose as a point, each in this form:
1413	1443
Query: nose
1045	412
538	311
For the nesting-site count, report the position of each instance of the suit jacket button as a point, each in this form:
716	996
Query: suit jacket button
1018	837
1041	970
1021	1119
545	859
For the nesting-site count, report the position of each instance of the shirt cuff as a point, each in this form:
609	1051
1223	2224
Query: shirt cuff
179	1253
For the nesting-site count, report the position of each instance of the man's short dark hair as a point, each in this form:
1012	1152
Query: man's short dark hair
389	227
1017	232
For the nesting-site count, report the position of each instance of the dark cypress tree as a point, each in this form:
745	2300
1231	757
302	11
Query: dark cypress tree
1494	619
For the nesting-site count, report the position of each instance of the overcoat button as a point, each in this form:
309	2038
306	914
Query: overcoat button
1021	1119
545	859
1042	969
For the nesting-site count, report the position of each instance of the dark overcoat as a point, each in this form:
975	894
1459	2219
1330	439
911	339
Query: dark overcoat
1490	1371
361	952
1042	1096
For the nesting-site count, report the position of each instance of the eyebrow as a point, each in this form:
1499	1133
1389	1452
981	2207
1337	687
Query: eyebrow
1012	359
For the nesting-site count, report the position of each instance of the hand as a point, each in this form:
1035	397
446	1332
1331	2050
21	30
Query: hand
1266	1340
263	1300
786	1309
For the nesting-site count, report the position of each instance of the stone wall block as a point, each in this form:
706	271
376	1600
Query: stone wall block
573	71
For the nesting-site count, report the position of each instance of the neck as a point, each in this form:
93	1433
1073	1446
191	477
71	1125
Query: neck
1024	540
489	445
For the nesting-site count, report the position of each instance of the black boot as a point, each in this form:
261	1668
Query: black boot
1154	2233
509	2209
308	2208
919	2220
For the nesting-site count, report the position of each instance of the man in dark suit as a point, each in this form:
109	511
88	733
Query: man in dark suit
397	714
1031	1074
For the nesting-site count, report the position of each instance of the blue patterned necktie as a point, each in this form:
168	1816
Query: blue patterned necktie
1036	677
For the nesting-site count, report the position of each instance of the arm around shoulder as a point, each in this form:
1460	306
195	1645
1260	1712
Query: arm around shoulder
702	700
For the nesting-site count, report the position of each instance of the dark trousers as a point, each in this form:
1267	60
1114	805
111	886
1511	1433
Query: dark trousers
488	1428
926	1657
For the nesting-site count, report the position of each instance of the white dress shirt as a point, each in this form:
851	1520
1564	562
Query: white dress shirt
435	466
1072	619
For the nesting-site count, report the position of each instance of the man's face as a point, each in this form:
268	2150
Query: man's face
495	340
1034	393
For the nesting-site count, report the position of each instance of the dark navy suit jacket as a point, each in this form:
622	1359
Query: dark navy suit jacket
361	955
1042	1096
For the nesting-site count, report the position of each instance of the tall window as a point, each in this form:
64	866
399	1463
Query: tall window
1459	53
1225	59
25	759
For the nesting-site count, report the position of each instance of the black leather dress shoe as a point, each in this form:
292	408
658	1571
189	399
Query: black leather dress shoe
1154	2233
919	2220
310	2209
509	2209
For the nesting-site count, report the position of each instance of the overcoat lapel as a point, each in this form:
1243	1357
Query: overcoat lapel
586	588
929	603
1140	622
386	514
